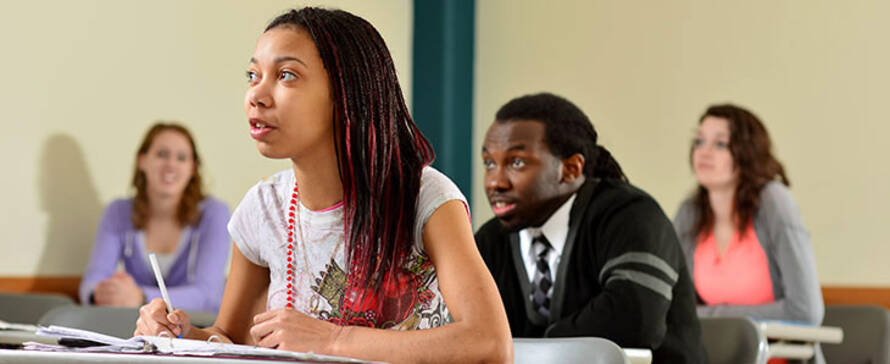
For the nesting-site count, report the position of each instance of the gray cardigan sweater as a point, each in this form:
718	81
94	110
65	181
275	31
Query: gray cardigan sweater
792	266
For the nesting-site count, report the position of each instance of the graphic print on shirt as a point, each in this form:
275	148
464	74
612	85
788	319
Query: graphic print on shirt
330	287
406	300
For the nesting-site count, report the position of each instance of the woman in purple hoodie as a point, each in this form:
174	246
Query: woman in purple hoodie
169	216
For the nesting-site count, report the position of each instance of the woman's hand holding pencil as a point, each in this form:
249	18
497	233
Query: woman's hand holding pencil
154	319
158	315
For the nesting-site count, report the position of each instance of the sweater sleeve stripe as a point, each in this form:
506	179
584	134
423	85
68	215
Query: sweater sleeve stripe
643	279
648	259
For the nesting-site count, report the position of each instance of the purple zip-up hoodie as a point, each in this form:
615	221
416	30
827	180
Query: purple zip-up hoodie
197	278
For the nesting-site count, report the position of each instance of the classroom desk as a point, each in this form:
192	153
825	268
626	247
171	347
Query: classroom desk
638	356
635	356
32	356
28	356
797	341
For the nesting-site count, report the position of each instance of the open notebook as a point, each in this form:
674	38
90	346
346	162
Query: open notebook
96	342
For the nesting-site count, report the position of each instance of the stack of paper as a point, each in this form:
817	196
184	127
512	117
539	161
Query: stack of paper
169	346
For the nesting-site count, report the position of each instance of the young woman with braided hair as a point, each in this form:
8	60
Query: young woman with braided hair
361	235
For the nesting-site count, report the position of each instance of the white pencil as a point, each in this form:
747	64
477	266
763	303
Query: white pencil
160	279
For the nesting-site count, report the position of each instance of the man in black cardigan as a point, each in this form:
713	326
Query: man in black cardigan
574	248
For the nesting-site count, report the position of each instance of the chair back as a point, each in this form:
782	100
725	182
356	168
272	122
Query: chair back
28	308
866	334
733	340
570	350
114	321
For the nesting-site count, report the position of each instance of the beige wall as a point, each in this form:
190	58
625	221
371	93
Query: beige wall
84	79
815	71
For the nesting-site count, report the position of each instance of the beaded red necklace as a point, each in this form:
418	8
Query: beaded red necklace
290	247
294	220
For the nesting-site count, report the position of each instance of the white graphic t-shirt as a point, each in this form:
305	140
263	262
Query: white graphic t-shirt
259	226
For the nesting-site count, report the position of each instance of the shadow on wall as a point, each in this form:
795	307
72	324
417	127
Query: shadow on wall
68	196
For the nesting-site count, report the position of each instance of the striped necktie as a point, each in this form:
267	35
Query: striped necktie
542	283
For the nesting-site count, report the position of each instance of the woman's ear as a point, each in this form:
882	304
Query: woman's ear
572	168
140	162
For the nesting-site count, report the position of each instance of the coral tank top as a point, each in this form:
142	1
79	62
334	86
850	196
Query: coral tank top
740	276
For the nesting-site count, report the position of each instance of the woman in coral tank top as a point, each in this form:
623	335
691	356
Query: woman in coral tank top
748	250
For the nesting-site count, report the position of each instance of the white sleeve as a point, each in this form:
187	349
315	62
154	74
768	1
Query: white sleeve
245	226
435	190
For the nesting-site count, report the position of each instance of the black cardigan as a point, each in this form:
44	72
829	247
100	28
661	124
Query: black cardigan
621	276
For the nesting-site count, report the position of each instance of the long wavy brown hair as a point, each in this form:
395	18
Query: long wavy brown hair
752	156
187	213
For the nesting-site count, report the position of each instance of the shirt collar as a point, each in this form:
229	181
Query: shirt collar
556	228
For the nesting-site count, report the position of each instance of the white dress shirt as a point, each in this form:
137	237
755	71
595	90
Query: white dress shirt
555	229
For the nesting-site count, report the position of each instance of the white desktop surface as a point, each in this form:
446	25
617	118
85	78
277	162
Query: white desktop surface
29	356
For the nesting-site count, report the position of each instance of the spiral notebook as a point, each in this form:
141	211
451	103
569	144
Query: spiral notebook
95	342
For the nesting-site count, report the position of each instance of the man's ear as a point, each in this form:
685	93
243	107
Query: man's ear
572	168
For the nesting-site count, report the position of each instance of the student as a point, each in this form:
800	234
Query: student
361	249
574	248
169	216
741	231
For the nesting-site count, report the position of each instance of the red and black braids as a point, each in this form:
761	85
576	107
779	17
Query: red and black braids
380	154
